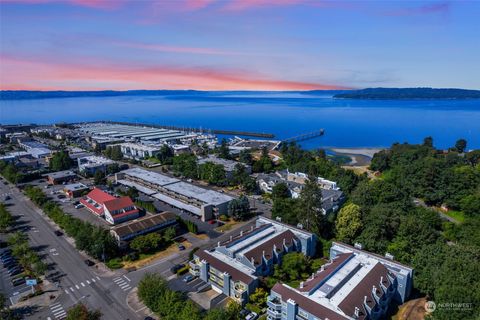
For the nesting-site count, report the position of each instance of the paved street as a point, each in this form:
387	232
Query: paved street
76	281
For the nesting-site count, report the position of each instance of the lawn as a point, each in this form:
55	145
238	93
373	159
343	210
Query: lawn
456	215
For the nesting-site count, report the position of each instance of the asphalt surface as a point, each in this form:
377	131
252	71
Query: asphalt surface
76	281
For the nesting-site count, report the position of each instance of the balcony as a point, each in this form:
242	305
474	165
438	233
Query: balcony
274	303
272	314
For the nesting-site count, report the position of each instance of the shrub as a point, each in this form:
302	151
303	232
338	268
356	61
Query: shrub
114	263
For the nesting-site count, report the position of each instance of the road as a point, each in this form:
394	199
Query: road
77	282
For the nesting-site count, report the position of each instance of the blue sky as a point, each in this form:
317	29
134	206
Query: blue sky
238	44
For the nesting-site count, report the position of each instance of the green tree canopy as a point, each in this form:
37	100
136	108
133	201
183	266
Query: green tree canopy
348	223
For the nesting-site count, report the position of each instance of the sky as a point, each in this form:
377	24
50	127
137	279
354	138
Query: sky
238	44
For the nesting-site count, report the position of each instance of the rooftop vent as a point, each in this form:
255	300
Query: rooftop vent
278	219
389	256
300	226
358	246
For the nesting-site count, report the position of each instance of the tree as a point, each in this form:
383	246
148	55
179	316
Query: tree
212	173
146	243
428	142
166	154
99	177
223	151
169	234
294	266
239	209
6	219
280	191
311	215
81	312
471	205
60	161
349	223
186	165
264	164
113	168
461	145
114	152
259	297
245	156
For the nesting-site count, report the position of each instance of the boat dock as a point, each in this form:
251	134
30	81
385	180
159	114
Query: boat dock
305	136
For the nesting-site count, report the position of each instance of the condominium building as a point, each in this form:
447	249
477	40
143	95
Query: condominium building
203	202
354	284
233	266
138	151
228	165
91	164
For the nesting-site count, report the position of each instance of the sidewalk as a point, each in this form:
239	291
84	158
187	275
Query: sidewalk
100	270
137	306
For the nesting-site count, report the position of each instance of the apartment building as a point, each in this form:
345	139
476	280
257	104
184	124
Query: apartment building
89	165
354	284
185	196
233	266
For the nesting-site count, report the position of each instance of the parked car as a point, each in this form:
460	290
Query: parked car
181	247
78	206
188	278
7	198
176	267
89	262
18	281
251	316
58	233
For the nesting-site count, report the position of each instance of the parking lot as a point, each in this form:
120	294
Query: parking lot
13	285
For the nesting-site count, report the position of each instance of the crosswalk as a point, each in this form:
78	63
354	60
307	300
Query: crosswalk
83	284
123	283
58	311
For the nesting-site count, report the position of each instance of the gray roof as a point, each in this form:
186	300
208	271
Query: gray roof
202	194
150	176
61	174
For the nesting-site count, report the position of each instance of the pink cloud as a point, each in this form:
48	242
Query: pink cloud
176	49
432	8
197	4
20	73
97	4
239	5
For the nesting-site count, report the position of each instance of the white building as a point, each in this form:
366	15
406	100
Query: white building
91	164
203	202
138	151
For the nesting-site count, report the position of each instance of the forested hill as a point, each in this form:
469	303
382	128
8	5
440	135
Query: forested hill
409	93
25	95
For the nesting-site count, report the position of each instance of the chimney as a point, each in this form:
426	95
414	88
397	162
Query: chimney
301	284
357	312
313	276
263	253
241	233
218	244
231	238
284	242
251	228
252	261
365	299
374	290
381	280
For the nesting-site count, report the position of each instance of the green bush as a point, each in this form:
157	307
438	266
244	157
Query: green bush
114	263
192	252
223	217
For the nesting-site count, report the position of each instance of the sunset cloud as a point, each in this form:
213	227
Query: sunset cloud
18	73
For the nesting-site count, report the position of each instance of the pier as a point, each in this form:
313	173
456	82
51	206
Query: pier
305	136
191	129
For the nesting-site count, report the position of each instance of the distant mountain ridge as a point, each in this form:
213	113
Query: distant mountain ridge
369	93
409	93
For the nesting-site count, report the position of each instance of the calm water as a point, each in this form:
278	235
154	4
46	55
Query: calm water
347	123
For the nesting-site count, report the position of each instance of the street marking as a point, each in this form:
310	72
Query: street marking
83	285
66	291
76	286
58	311
171	277
98	278
117	280
124	285
126	278
88	281
71	289
56	308
93	280
48	318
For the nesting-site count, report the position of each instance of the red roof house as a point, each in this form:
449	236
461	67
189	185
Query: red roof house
113	209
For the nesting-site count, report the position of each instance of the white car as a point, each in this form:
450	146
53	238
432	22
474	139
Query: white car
251	316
